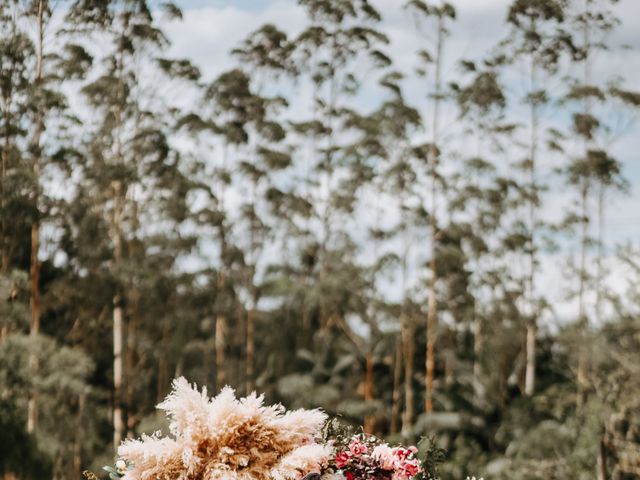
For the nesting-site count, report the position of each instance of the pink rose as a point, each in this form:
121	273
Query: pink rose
342	459
357	448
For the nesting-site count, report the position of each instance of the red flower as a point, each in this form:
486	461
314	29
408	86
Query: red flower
349	475
411	467
342	459
401	453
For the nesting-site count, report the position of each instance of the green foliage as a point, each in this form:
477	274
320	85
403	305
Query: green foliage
276	233
20	453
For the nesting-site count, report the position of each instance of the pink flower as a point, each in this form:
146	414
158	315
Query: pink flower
411	467
342	459
401	453
358	448
384	456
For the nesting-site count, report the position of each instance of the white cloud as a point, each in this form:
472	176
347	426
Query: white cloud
207	35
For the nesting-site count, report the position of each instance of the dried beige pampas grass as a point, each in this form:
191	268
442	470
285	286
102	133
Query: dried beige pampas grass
227	438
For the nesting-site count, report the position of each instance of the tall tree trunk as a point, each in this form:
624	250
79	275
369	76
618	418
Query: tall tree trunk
477	343
118	320
118	334
119	197
221	330
432	318
601	461
326	178
584	197
130	359
532	309
530	372
32	414
4	255
77	444
161	388
408	348
369	420
34	331
582	316
602	186
251	343
396	394
600	254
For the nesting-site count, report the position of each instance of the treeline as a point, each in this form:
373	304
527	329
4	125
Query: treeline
307	226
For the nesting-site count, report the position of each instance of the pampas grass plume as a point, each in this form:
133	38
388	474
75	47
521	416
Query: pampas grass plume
227	438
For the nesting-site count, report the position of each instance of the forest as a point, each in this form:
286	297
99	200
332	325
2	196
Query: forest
422	250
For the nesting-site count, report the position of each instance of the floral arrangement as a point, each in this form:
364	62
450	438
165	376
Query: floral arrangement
229	438
225	438
366	457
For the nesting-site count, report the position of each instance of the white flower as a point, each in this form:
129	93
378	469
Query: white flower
383	454
121	466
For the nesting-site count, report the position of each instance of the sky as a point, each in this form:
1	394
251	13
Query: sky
211	28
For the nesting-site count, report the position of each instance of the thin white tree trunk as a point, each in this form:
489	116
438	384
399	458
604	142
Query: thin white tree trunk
432	318
600	254
584	197
118	413
220	342
32	413
532	309
396	394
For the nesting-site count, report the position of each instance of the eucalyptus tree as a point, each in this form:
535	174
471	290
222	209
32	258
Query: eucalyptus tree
34	117
16	56
234	113
397	122
17	53
267	161
334	53
380	141
131	173
38	10
50	120
601	107
34	114
267	52
482	102
537	41
439	16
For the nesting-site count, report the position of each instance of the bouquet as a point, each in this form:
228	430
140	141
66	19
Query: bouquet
367	457
229	438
